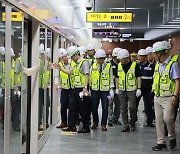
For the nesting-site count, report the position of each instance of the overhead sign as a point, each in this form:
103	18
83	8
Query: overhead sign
109	17
15	16
115	33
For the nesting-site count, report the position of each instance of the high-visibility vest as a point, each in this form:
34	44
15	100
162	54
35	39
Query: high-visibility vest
127	81
41	73
11	74
79	78
67	81
100	81
3	75
46	79
19	77
174	58
162	83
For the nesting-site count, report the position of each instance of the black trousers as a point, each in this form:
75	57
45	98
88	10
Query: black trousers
148	98
76	103
64	100
41	104
16	111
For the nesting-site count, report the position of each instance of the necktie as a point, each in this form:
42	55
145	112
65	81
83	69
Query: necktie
100	69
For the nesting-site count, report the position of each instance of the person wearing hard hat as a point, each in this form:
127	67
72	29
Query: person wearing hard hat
17	91
176	59
150	55
47	80
166	86
128	83
65	82
147	71
41	84
134	56
114	104
102	84
79	99
83	51
90	53
2	84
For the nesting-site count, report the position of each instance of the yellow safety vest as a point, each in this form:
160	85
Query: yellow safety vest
174	58
67	81
20	73
79	78
3	75
46	79
11	74
41	72
100	81
162	83
127	81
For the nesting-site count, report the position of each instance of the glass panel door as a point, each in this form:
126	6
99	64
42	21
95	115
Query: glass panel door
41	118
2	75
15	85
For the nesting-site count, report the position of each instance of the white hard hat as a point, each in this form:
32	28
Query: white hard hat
72	51
158	46
124	53
167	44
12	53
90	47
2	50
149	50
41	48
142	52
48	52
115	52
61	53
82	50
100	53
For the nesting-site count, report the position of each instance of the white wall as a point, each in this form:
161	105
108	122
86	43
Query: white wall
85	42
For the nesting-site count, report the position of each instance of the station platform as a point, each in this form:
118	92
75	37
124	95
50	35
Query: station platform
113	141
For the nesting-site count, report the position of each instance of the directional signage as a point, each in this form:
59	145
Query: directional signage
115	33
109	17
15	16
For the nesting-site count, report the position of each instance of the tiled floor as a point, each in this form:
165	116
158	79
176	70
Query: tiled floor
111	142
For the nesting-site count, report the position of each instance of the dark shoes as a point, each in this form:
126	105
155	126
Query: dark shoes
110	123
116	122
47	125
62	125
126	129
69	129
104	128
172	144
84	130
133	128
94	126
150	125
159	147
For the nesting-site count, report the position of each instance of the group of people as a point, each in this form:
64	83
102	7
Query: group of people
15	86
88	78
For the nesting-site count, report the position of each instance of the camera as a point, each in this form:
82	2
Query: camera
89	6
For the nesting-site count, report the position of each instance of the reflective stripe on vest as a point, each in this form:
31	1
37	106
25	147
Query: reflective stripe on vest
100	81
64	78
72	64
20	73
79	78
41	64
162	84
46	79
127	81
11	74
3	75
